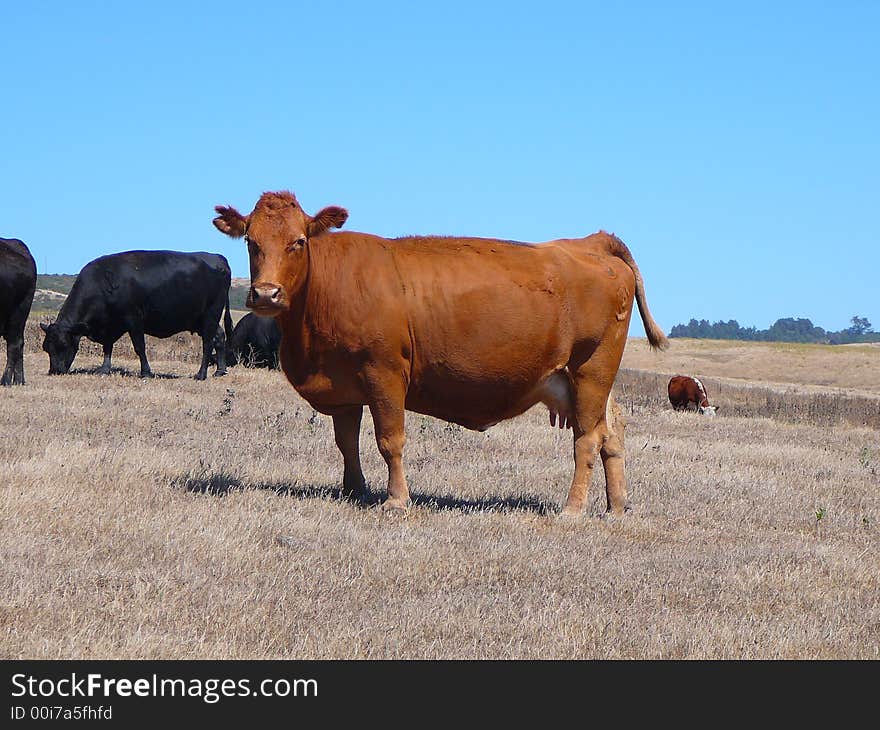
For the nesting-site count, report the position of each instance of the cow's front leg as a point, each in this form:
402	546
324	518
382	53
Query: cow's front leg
347	429
388	417
137	342
108	352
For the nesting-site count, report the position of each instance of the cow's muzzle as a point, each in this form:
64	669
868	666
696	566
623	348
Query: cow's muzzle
265	298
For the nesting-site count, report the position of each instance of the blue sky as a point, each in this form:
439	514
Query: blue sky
733	146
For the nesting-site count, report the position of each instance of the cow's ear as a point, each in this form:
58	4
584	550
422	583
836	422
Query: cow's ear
330	217
230	221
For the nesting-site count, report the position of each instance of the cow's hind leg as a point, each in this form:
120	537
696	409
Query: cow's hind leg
108	352
11	360
207	347
221	347
14	372
591	385
18	375
612	452
140	347
15	353
347	429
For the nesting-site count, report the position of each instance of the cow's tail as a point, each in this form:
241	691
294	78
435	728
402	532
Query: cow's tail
656	338
231	359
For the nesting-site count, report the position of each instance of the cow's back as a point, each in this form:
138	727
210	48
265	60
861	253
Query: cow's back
169	291
684	390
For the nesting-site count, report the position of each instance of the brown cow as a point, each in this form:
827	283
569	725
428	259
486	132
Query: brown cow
685	391
469	330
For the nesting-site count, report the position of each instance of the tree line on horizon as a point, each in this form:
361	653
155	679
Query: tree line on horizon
788	329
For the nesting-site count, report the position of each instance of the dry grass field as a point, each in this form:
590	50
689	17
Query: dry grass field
801	367
175	519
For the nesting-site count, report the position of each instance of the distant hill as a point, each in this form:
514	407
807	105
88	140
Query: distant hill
52	290
238	292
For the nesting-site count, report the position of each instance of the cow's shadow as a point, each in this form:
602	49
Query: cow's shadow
124	372
220	484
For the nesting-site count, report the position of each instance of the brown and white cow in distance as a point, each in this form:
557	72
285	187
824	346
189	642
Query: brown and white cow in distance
469	330
685	391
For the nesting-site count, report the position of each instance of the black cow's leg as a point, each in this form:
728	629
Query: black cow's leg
137	341
14	372
15	354
9	373
105	366
219	344
207	346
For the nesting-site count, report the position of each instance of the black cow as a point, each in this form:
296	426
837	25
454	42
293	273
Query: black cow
158	293
254	343
18	281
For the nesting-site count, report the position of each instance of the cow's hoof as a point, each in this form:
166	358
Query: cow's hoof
199	376
219	373
571	514
357	498
102	371
396	507
147	375
356	493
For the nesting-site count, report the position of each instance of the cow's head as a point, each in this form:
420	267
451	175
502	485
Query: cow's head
61	345
708	410
277	233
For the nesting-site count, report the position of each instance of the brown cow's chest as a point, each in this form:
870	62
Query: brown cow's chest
325	385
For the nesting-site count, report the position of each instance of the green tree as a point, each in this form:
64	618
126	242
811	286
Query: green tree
860	326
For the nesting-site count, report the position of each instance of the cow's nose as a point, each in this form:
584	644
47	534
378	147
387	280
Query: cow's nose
263	294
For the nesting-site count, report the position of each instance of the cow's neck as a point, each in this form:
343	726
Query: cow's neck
291	323
304	327
70	318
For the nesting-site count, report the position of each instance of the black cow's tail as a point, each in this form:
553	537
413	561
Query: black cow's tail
231	358
656	338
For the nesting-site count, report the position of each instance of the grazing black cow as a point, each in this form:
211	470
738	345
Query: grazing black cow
18	281
158	293
255	342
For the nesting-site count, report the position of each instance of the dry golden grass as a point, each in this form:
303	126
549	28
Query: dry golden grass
810	367
177	519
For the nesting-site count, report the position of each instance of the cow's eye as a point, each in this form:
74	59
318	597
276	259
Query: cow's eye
298	243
